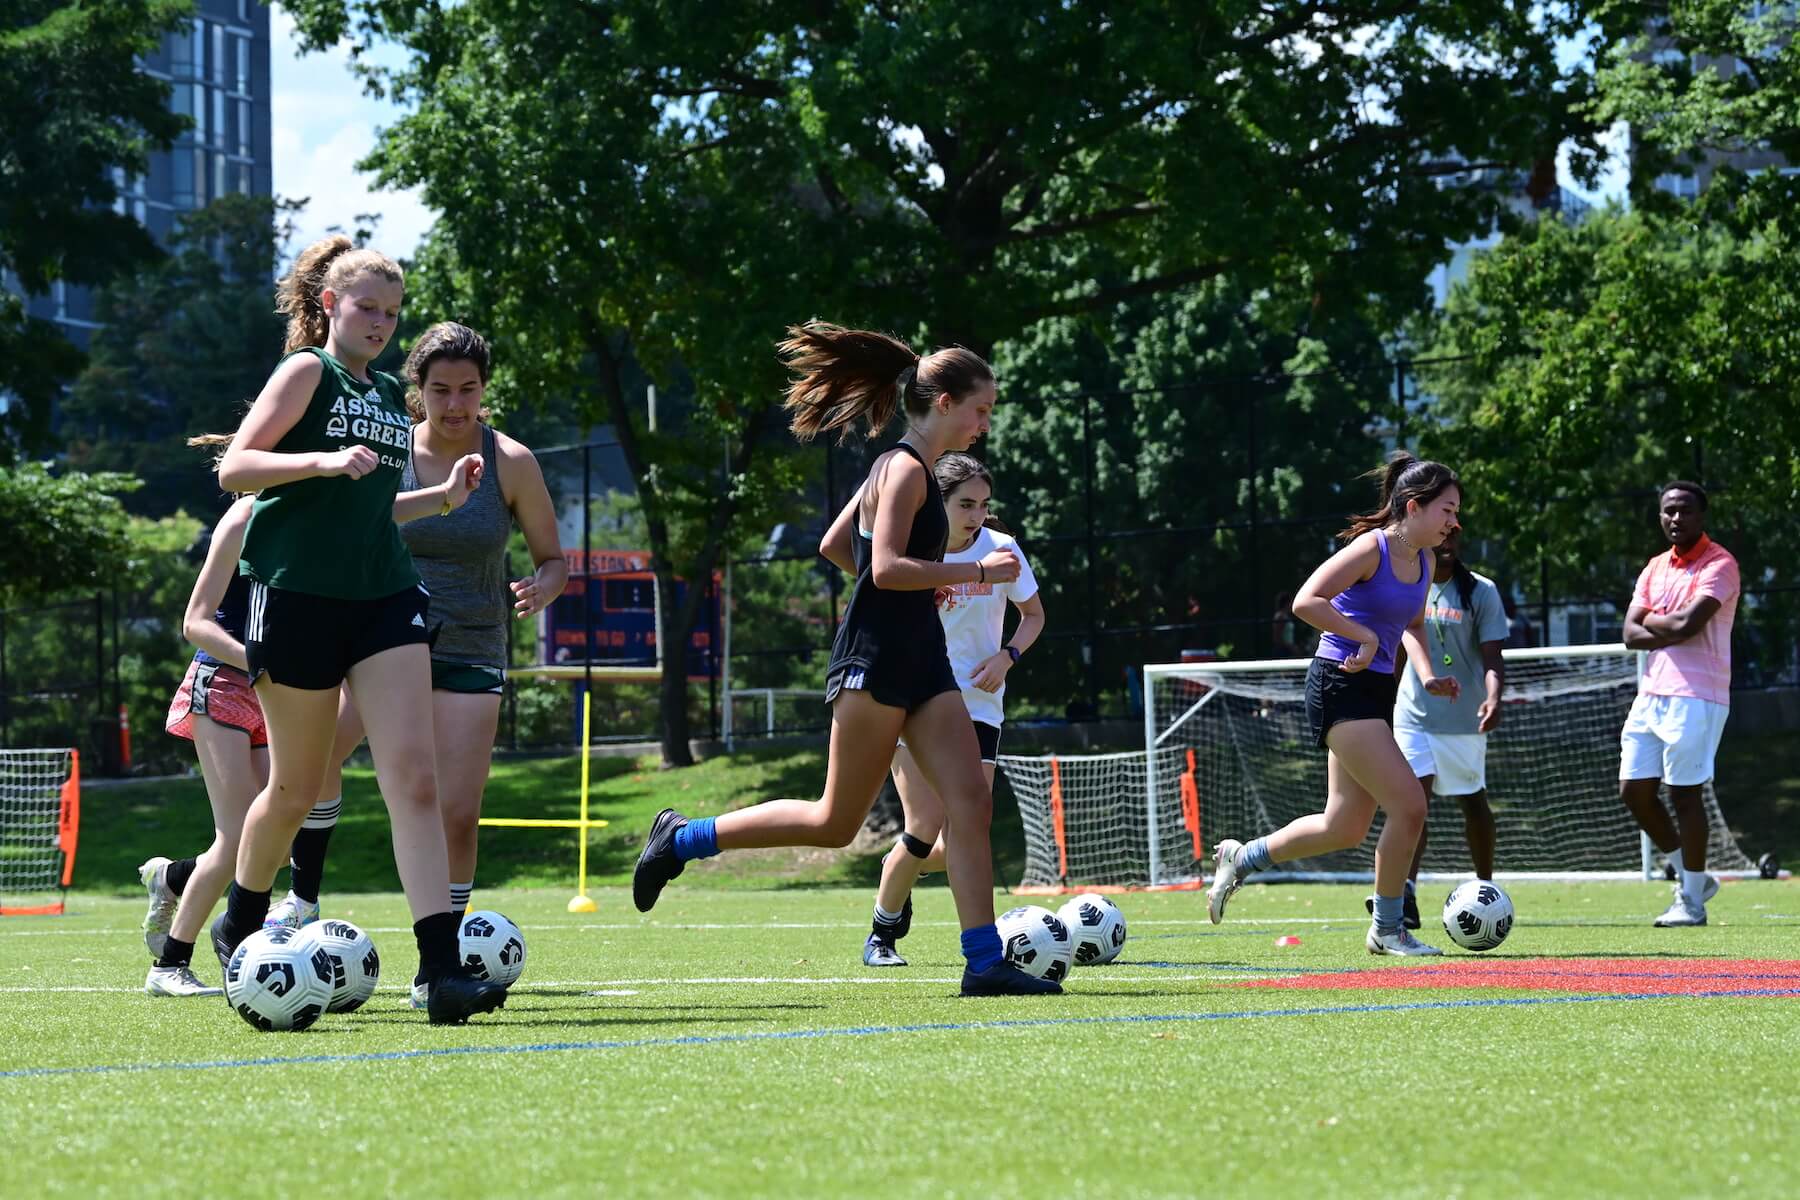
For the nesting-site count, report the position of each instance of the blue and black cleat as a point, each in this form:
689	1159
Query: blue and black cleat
657	865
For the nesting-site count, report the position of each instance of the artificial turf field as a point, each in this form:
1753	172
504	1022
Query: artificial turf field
733	1044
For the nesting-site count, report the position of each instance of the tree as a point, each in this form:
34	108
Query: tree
74	108
65	531
1608	358
187	343
677	182
1224	443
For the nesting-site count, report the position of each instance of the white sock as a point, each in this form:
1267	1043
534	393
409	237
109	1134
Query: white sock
459	896
1693	886
884	917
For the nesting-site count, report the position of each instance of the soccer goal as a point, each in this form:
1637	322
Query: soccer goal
1228	752
40	817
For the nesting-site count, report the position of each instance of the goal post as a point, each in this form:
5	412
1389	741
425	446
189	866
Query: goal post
1228	752
40	824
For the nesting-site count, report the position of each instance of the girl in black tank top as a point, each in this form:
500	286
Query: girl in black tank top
889	672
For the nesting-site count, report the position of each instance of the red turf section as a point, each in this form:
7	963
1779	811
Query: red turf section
1635	976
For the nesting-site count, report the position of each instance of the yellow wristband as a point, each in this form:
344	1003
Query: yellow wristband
445	511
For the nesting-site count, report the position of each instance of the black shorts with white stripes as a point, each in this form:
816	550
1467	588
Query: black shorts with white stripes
305	641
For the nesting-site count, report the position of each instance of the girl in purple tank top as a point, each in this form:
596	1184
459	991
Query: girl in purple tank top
1366	600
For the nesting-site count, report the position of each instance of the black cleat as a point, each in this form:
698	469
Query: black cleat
657	865
1004	979
222	946
456	997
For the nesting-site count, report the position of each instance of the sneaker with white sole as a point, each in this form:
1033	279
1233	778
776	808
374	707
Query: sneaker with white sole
880	953
1226	880
177	981
1401	944
291	911
1681	913
161	913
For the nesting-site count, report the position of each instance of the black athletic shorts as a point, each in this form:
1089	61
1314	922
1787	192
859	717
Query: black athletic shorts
1334	694
305	641
898	681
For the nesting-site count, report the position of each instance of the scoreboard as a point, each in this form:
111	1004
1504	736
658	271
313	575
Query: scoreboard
607	615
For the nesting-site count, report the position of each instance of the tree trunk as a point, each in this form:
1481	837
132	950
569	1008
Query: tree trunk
677	622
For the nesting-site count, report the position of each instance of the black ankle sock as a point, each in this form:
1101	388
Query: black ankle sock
176	874
244	912
307	860
176	953
439	953
883	931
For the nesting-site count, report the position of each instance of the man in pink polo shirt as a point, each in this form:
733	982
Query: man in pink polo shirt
1681	613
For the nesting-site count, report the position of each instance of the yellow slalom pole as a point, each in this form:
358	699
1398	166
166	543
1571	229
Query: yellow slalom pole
580	902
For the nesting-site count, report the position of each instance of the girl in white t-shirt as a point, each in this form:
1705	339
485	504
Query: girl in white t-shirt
974	617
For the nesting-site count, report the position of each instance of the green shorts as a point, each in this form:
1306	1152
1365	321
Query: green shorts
466	678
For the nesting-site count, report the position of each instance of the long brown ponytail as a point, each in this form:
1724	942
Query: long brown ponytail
1403	479
333	262
843	376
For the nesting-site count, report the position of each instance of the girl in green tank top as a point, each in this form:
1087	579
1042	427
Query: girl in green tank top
335	597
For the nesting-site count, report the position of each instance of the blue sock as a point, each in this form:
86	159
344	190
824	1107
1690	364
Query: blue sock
696	839
1255	857
1388	912
981	947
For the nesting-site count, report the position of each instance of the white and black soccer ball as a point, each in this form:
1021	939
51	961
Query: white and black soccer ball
355	966
278	980
1478	915
1037	942
493	948
1097	926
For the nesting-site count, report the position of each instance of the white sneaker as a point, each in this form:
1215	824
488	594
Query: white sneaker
1225	878
161	914
1682	913
1401	944
177	981
291	911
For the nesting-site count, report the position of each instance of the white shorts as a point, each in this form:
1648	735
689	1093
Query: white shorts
1455	762
1671	738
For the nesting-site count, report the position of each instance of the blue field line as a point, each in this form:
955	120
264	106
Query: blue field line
729	1039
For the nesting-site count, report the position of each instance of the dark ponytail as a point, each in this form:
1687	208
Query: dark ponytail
843	376
1403	479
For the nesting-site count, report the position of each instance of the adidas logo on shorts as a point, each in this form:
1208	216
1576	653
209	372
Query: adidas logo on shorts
854	681
418	620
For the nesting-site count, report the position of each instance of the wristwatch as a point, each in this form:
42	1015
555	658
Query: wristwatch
1012	650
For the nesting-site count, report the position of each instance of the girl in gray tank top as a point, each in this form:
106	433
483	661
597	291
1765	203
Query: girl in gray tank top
1364	599
461	558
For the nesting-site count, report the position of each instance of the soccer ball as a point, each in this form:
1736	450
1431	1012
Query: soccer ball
493	948
1478	915
1097	926
278	980
1036	942
355	966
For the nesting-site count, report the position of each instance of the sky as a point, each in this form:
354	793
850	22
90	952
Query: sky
324	123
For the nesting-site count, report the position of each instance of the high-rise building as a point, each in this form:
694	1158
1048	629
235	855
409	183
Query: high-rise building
218	71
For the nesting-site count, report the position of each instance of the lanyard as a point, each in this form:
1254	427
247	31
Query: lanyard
1438	623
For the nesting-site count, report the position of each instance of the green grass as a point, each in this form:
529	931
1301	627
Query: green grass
645	1057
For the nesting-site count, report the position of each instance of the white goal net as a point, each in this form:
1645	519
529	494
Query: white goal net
1229	753
39	818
